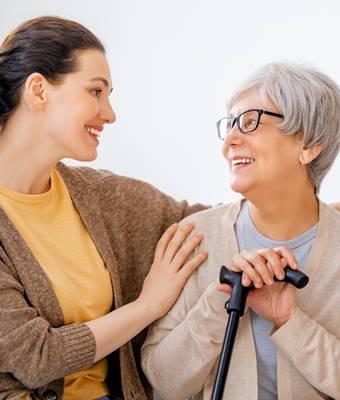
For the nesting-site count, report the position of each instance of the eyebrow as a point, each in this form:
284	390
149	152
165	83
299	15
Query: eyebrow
99	78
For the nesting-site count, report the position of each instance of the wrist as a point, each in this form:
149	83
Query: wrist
278	322
149	311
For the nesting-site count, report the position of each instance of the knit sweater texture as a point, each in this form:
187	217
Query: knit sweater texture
125	219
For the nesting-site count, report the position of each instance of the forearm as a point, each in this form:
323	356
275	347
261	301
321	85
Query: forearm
119	326
314	352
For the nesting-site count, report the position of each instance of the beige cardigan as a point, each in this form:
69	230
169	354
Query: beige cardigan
181	352
125	219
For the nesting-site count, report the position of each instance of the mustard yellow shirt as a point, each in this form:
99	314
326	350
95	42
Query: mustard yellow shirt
57	237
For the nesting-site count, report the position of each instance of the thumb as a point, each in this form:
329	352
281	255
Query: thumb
224	288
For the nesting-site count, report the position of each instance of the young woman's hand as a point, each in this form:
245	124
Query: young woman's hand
273	301
171	268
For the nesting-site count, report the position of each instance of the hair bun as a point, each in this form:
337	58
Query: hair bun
4	109
4	106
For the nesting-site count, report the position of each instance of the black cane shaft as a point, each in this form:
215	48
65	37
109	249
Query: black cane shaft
227	349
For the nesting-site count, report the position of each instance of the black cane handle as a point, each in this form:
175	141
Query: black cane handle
295	277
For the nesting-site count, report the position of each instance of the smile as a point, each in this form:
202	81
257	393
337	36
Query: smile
242	161
93	131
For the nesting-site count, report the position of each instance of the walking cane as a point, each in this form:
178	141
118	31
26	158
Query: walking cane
235	308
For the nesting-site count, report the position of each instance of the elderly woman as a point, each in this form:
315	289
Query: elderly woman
281	136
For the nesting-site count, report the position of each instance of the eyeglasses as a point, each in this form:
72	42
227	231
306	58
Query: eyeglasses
247	122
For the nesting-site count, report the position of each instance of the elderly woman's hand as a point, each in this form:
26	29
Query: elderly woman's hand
274	301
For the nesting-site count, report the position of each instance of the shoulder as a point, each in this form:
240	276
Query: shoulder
329	220
105	182
216	218
219	239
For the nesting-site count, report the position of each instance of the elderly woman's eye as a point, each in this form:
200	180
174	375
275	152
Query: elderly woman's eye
250	123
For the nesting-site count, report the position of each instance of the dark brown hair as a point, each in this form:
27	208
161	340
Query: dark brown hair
47	45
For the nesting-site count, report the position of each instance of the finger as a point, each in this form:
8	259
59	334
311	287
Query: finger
177	240
240	263
164	241
260	265
288	255
188	268
186	250
273	263
245	280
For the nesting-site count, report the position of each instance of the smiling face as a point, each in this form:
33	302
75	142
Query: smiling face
78	108
263	162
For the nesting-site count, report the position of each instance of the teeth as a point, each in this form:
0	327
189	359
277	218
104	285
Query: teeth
93	131
242	161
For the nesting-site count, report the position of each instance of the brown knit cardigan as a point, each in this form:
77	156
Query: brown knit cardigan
125	219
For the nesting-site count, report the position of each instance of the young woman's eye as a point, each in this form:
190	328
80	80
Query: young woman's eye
97	92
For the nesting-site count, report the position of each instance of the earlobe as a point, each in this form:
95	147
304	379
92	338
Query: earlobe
307	155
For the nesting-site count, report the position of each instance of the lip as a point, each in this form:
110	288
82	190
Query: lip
239	166
238	158
96	127
94	138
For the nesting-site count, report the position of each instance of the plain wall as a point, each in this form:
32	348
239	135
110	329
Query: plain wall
174	64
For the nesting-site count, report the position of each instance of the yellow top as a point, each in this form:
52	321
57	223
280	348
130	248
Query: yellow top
57	237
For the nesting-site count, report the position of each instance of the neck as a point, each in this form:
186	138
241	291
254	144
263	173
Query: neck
285	217
25	165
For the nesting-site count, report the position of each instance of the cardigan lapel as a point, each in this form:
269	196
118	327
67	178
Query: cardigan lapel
85	202
41	295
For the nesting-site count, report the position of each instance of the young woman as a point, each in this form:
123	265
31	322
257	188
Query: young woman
281	136
75	243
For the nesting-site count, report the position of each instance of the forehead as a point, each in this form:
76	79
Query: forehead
92	63
249	100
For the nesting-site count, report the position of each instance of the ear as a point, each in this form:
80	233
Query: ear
307	155
35	91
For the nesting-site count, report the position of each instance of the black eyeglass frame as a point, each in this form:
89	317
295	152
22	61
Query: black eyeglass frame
237	120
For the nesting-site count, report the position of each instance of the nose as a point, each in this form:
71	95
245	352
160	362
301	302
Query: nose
233	138
107	114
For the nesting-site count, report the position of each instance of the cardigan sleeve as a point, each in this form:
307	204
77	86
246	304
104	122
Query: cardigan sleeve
314	352
30	349
182	348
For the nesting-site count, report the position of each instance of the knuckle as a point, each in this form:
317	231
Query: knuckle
236	258
182	228
181	254
254	257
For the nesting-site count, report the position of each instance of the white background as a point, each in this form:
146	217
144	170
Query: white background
174	63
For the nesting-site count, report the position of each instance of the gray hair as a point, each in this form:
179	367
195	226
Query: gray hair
310	103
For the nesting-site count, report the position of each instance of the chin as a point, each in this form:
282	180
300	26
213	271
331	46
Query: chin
238	186
85	157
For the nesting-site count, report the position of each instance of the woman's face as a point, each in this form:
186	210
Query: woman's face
78	108
269	160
